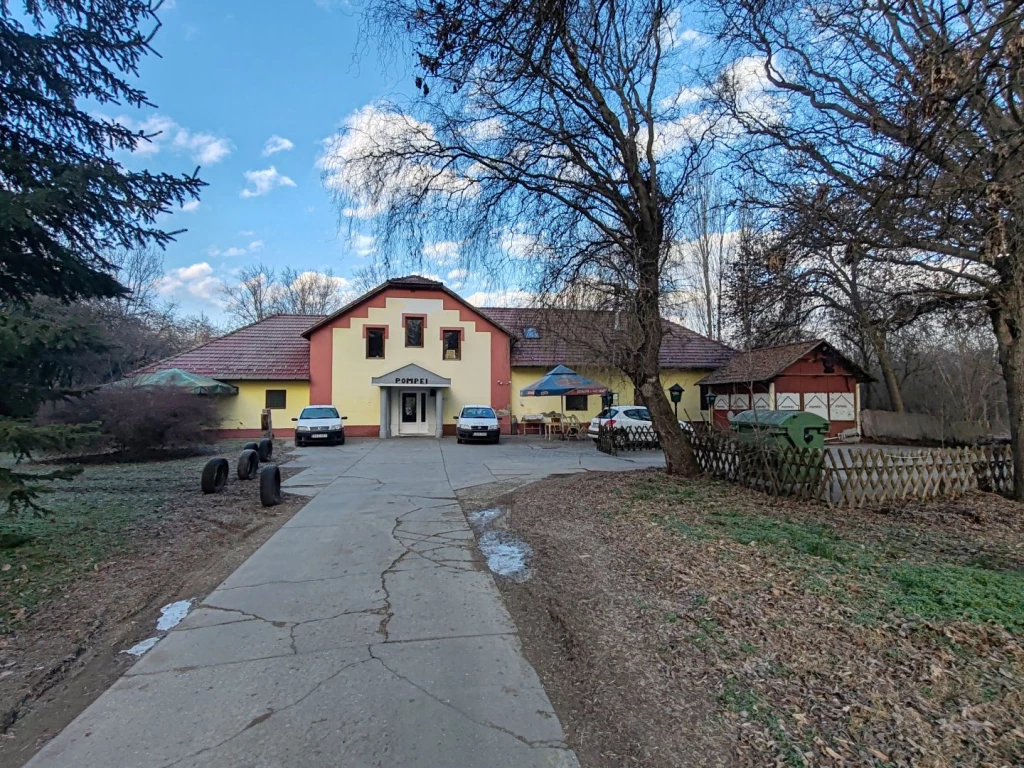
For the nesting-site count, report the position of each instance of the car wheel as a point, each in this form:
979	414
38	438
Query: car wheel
497	441
459	440
341	440
298	443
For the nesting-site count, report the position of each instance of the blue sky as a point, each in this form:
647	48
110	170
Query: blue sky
232	75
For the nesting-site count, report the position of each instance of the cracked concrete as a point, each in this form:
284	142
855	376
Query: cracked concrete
363	633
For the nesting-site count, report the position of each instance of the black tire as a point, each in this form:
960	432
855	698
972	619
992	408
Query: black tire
459	440
497	440
251	447
341	440
265	449
215	476
298	443
248	464
270	485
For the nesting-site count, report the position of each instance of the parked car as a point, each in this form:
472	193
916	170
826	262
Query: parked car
319	424
477	422
625	416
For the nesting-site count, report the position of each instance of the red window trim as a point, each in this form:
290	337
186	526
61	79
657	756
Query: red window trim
384	346
414	314
462	338
423	338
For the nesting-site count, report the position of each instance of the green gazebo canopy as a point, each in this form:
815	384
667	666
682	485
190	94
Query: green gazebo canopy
176	377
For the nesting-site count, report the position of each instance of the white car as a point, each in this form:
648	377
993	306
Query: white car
320	424
477	422
625	416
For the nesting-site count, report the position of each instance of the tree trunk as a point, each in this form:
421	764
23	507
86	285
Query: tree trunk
892	382
1006	308
646	376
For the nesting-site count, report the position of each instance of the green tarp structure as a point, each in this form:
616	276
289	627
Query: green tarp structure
176	377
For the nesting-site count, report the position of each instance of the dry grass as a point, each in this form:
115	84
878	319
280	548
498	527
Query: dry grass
692	623
120	540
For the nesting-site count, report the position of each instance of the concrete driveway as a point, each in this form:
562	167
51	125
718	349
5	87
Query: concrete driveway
363	633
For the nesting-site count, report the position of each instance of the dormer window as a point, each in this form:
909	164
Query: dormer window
531	333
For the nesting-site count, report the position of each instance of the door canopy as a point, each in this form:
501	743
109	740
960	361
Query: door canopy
411	375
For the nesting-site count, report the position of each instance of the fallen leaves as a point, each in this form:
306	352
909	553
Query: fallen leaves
782	654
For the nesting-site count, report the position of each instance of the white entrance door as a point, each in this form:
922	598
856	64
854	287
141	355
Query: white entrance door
412	412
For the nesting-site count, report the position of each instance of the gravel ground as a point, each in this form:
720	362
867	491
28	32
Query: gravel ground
693	623
120	541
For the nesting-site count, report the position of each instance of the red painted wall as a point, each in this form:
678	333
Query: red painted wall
805	375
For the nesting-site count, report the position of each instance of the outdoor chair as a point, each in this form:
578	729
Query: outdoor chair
573	429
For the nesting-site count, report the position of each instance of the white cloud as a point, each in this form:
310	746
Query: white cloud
253	247
196	280
358	165
501	299
203	148
674	32
362	245
277	144
264	181
443	252
190	207
247	233
458	274
519	245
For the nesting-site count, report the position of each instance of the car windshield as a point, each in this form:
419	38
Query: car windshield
478	413
319	413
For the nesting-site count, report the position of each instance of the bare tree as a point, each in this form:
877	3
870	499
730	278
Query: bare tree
707	244
548	144
309	293
911	114
252	297
139	271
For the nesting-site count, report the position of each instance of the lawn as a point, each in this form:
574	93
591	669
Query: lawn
86	580
683	623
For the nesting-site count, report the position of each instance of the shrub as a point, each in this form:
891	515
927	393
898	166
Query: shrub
137	420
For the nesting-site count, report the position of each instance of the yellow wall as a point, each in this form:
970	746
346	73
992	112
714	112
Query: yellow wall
356	397
689	406
243	410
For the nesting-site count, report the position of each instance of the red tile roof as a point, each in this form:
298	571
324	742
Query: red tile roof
765	363
573	337
273	348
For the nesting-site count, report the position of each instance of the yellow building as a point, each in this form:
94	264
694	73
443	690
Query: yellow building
405	357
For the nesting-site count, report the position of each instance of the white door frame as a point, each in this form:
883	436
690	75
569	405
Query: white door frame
419	426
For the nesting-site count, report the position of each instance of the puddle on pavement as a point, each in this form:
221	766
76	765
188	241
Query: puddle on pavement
506	555
140	648
484	517
171	616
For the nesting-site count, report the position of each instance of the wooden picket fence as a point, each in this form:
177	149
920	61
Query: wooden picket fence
854	476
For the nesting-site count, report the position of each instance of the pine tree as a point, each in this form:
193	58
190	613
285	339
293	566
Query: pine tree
65	200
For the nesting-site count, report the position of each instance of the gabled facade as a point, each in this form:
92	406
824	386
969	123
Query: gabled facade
405	357
805	376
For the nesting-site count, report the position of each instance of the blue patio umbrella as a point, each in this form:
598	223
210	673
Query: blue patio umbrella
561	381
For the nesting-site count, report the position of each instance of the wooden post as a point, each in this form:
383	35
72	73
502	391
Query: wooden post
266	423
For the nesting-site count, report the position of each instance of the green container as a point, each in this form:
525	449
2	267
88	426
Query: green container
798	429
